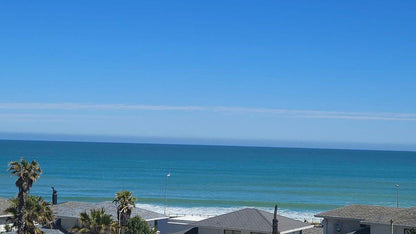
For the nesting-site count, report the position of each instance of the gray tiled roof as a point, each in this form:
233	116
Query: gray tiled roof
361	212
314	230
374	214
73	209
252	220
4	204
406	218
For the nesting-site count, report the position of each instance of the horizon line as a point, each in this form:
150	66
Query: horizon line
262	143
294	113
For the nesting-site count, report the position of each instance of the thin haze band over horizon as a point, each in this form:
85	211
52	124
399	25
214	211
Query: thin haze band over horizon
315	114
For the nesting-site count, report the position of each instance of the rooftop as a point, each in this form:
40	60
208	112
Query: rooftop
374	214
73	209
252	220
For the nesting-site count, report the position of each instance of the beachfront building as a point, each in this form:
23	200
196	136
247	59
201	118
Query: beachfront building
4	204
248	221
365	219
181	223
67	214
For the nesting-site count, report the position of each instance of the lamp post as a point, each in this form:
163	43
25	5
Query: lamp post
166	194
391	226
397	195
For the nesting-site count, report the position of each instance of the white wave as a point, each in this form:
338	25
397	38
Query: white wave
213	211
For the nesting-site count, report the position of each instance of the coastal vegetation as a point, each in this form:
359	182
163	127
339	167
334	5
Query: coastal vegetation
37	211
137	225
29	212
96	222
125	203
27	174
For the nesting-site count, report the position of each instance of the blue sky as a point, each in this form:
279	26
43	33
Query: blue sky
260	71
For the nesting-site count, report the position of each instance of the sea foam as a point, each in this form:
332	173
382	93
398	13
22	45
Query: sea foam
213	211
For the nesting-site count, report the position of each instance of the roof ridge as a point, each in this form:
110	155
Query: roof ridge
404	213
217	216
264	217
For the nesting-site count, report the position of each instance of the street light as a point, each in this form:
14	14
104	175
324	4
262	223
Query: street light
166	197
397	195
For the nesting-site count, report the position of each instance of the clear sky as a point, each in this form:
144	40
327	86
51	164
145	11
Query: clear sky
259	71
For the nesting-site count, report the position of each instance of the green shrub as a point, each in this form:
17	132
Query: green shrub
137	225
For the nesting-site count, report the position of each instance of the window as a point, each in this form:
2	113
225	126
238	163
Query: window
409	231
257	233
232	232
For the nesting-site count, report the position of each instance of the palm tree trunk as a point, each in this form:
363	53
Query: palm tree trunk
21	211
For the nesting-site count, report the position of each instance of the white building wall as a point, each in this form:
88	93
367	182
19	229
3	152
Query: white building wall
210	231
162	226
380	229
221	231
330	226
348	226
399	230
386	229
68	222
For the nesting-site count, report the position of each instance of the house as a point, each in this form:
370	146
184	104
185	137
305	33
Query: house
247	221
67	214
314	230
4	204
369	220
181	223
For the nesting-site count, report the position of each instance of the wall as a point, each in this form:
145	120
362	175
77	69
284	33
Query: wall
381	229
221	231
3	219
173	227
330	226
386	229
162	225
68	222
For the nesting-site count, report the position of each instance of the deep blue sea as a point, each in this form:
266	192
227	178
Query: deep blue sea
215	179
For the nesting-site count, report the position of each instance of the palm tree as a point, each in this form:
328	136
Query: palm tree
36	211
95	222
27	174
125	203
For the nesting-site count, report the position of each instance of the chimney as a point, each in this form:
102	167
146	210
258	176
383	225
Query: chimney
275	222
54	196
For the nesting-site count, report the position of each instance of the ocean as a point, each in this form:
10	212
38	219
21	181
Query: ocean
210	180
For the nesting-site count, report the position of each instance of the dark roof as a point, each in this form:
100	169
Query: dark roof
193	230
4	204
252	220
73	209
374	214
361	231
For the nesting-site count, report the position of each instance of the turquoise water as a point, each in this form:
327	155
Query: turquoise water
302	181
